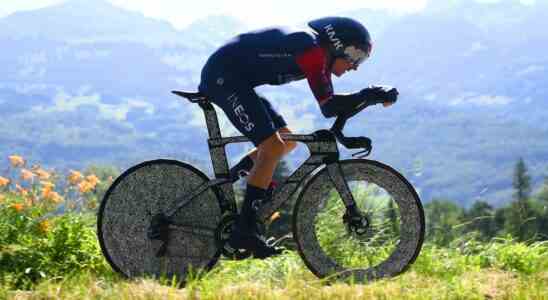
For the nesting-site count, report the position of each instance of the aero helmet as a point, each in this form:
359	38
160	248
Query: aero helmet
345	37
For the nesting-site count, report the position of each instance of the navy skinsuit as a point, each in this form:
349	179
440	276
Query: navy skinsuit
270	56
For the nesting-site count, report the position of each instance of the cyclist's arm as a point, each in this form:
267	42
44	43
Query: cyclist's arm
313	63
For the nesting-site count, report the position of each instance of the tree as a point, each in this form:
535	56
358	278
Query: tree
442	218
520	221
522	181
481	218
541	208
501	214
543	194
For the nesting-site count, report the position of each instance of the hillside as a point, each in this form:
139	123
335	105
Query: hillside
472	99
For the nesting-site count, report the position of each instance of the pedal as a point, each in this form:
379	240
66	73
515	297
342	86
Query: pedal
273	242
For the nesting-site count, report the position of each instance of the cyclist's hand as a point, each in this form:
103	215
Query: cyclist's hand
385	94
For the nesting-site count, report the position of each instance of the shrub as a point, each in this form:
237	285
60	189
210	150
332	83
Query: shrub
34	248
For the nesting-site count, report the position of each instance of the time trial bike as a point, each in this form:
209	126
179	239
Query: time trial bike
353	219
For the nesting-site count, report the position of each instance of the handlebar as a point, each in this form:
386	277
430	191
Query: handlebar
352	142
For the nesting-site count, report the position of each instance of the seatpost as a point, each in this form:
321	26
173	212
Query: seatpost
217	152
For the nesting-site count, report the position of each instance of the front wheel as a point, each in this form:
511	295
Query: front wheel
389	239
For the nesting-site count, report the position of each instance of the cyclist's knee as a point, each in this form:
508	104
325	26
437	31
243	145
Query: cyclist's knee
273	147
289	145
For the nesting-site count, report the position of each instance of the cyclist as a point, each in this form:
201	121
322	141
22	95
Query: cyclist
331	45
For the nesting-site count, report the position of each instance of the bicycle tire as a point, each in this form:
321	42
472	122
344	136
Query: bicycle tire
313	200
127	208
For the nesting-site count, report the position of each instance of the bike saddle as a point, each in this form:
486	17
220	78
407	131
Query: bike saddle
194	97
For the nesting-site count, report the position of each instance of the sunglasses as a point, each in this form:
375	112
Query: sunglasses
356	56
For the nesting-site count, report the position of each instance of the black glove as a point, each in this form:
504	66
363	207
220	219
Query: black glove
376	94
347	104
342	104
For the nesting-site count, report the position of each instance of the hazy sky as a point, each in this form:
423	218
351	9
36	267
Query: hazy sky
256	13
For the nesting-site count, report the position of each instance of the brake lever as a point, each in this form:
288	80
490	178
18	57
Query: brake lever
366	144
360	155
351	142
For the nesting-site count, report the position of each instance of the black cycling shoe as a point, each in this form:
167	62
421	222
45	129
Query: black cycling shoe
253	242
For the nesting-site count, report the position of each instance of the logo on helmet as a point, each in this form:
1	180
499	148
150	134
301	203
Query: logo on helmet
331	34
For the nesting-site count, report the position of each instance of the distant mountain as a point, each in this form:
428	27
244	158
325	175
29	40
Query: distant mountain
472	78
211	31
77	21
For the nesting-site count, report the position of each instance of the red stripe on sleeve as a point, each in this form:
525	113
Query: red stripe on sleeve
313	63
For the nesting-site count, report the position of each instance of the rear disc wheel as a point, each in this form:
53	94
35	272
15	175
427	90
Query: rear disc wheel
147	190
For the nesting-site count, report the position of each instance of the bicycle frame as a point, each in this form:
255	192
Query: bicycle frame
175	244
323	149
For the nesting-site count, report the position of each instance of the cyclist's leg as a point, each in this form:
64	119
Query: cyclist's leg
244	166
290	145
269	152
246	233
280	124
249	115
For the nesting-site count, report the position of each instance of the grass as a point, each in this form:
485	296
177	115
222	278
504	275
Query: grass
65	262
482	284
50	256
435	275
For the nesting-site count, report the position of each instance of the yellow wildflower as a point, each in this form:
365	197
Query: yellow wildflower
55	197
16	161
44	226
49	194
4	181
2	197
21	190
26	174
42	174
93	180
85	187
74	177
46	191
18	207
47	184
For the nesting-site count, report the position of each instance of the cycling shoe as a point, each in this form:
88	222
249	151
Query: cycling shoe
253	242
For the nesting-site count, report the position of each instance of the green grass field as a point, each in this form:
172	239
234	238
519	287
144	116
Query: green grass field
287	278
66	263
50	256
